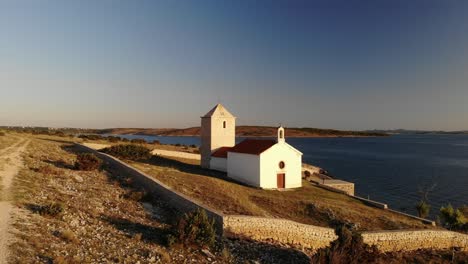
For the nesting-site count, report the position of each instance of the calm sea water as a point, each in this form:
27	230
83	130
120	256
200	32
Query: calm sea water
388	169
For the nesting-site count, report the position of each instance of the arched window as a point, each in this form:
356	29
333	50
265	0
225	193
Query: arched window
281	134
224	124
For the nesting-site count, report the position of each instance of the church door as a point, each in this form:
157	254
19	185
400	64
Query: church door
280	180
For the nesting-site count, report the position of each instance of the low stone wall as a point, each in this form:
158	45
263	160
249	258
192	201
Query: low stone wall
277	229
344	186
178	154
416	239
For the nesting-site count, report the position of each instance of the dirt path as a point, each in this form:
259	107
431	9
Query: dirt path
12	160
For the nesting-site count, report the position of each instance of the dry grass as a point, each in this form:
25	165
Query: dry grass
309	204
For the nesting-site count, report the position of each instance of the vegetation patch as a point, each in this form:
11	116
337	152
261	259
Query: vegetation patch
138	141
348	248
194	228
129	151
453	219
91	137
88	162
51	209
2	134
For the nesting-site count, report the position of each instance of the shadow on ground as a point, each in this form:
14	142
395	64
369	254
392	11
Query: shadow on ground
149	234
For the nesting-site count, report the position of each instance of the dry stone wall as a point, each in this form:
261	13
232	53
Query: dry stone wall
416	239
178	154
281	230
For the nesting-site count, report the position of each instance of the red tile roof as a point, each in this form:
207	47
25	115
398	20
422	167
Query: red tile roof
253	146
221	152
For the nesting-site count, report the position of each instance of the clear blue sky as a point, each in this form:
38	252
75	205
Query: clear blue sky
329	64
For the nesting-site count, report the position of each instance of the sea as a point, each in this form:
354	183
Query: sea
395	170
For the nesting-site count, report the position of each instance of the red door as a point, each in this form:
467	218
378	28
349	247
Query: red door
280	180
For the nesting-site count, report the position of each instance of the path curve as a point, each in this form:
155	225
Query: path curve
13	159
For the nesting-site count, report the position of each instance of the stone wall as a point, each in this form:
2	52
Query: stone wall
277	229
178	154
346	187
415	239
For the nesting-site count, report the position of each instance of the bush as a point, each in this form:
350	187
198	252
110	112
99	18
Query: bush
2	134
138	141
453	218
87	162
52	209
136	196
156	142
113	139
91	137
348	248
195	228
131	152
423	209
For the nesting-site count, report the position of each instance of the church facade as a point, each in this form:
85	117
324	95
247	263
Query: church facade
264	163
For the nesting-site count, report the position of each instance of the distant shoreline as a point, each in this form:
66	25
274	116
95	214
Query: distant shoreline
245	131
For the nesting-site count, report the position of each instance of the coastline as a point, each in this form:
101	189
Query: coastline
248	136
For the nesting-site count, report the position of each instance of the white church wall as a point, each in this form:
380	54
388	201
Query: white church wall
219	164
244	168
270	160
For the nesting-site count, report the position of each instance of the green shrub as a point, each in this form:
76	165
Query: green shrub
452	218
52	209
113	139
131	152
91	137
423	209
195	228
136	196
87	162
138	141
348	248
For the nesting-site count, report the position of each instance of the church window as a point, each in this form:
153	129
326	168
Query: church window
281	134
224	124
282	165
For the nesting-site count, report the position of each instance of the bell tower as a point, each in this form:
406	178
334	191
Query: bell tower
218	129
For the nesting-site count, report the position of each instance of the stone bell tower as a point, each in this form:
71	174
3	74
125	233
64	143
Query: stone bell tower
218	129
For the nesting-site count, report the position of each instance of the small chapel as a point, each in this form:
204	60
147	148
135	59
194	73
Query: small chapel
264	163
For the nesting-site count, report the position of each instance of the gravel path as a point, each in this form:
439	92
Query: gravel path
12	160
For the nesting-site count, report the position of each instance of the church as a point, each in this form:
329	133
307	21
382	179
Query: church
264	163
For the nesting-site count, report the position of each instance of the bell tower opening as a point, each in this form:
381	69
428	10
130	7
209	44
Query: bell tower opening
281	134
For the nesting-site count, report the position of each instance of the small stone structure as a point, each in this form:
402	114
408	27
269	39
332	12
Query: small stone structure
287	231
314	174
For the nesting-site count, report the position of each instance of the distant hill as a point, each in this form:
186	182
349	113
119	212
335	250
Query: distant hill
419	132
244	131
